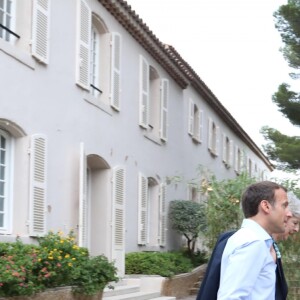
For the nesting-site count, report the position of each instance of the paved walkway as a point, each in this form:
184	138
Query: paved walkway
192	297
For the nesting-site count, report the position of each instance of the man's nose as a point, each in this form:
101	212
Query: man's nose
288	213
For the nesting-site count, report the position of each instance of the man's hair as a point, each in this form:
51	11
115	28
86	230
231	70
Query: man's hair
255	193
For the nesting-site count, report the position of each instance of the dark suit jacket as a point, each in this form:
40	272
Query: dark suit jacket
281	285
211	281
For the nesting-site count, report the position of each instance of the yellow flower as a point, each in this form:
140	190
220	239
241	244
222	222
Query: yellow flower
50	257
70	264
73	258
67	255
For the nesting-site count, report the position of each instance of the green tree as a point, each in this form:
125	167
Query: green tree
188	218
283	149
223	210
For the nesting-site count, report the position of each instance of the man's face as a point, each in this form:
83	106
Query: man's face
280	213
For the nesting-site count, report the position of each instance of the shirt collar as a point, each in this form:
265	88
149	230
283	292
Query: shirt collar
260	231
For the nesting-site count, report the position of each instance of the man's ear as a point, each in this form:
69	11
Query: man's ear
265	206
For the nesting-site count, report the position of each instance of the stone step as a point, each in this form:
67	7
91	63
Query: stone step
134	296
120	290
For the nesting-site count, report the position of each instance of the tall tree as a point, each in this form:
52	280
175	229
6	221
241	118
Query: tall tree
283	149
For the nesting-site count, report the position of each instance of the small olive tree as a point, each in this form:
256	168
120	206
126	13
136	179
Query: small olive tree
188	218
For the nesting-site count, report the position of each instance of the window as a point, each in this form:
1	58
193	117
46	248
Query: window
5	180
14	24
154	93
249	167
95	62
195	122
6	19
213	141
193	193
227	151
239	160
151	212
98	67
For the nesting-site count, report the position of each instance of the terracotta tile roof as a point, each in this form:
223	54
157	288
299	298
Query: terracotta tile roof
175	65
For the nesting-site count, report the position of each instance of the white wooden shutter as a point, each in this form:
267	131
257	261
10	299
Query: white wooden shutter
217	139
210	134
197	125
236	161
144	93
119	207
40	30
224	156
84	18
200	126
191	117
38	185
82	225
115	83
142	209
162	216
230	162
164	108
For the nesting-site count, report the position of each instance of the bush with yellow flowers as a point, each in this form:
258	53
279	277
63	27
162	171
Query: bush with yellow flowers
57	261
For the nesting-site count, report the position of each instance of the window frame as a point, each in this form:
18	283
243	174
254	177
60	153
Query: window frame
8	193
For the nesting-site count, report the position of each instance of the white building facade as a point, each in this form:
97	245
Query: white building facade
97	117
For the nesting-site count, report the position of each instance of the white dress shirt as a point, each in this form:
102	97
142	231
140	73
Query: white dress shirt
247	267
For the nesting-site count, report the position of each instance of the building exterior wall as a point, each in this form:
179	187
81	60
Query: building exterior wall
87	139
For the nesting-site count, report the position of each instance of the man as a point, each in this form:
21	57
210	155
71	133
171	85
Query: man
247	266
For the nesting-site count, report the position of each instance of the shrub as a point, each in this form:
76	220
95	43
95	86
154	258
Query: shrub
56	261
188	219
164	264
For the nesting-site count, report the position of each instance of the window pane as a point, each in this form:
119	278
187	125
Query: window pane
1	204
8	8
2	157
2	4
2	188
2	172
1	220
2	142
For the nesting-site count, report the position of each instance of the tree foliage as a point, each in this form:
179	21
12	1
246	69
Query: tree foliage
283	149
223	210
188	218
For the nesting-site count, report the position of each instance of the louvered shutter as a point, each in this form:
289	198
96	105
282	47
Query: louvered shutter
197	125
210	134
230	153
224	156
82	226
144	93
191	117
119	206
40	30
142	210
38	185
217	139
115	70
200	126
83	44
162	215
164	109
236	160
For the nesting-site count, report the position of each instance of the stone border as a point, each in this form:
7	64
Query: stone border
180	285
